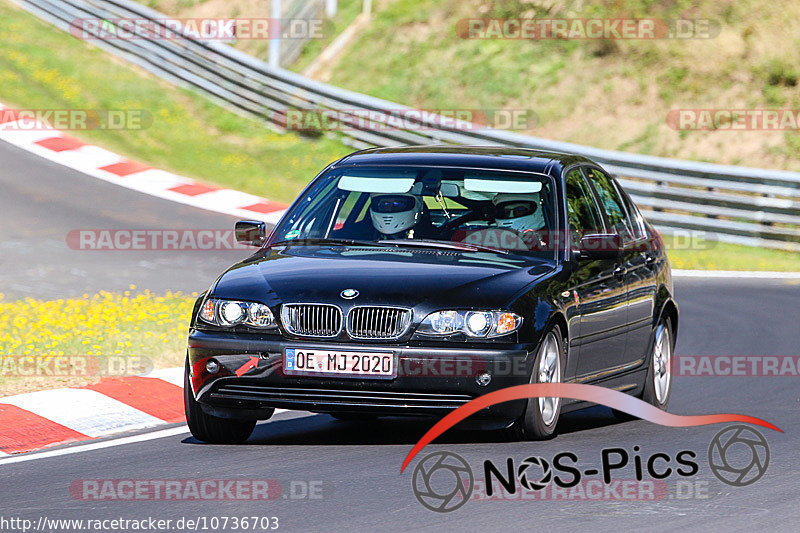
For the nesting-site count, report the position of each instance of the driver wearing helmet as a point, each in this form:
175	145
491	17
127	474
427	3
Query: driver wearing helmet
395	215
520	213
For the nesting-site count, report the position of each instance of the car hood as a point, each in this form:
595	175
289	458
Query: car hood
404	277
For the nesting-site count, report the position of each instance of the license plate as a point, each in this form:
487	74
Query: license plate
321	362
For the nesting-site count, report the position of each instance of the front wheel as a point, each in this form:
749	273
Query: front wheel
209	428
541	414
658	383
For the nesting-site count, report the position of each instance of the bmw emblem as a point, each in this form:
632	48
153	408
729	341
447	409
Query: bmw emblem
348	294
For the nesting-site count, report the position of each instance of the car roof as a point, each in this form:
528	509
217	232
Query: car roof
490	157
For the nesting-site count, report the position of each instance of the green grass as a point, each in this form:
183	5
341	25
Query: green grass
346	13
699	254
612	94
41	67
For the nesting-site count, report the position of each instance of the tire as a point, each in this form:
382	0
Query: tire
658	383
540	418
212	429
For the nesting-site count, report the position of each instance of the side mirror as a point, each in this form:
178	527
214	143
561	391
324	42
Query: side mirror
601	246
252	232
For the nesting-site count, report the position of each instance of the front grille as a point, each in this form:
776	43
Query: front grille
378	322
312	320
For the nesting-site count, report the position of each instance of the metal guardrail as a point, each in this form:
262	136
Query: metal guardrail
728	203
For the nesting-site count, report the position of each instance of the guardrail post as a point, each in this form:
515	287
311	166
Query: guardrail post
659	184
712	190
767	222
330	8
275	40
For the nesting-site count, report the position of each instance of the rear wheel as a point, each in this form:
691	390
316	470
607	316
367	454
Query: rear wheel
209	428
541	414
658	384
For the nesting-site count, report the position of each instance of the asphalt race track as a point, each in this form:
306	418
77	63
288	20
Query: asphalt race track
357	464
41	202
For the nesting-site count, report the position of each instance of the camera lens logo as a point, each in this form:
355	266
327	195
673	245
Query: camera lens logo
738	455
442	482
525	468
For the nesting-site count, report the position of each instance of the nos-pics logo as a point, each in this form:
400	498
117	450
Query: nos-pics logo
443	481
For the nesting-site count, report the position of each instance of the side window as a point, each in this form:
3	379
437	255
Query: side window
635	216
610	202
582	212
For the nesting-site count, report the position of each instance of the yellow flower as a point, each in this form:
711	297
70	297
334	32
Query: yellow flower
108	323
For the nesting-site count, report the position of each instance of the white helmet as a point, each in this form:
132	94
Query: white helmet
393	213
518	211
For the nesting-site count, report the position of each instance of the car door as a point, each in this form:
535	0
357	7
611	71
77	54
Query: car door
642	281
597	289
630	268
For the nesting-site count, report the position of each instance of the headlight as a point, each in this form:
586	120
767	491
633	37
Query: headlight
478	324
228	313
471	323
446	322
260	316
231	313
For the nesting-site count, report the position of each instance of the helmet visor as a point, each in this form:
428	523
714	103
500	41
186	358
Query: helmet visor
515	209
389	203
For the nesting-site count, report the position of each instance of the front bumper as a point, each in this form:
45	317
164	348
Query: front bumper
432	379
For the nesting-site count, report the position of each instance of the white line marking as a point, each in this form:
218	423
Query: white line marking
739	274
171	432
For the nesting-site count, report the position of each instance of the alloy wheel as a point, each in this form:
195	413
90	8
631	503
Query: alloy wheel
662	364
549	371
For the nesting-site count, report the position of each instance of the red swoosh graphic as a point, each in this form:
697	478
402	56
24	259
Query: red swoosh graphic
588	393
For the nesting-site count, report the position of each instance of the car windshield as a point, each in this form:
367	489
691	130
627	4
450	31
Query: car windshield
453	208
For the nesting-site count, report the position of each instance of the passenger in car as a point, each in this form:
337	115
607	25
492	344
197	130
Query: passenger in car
521	213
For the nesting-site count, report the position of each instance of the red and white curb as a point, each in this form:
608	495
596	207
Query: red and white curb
42	419
26	132
36	420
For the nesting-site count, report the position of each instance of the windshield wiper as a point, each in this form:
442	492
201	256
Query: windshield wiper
423	243
332	242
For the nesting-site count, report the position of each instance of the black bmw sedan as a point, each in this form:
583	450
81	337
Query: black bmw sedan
410	281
